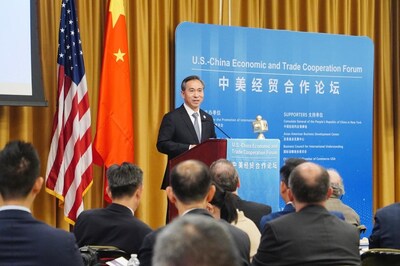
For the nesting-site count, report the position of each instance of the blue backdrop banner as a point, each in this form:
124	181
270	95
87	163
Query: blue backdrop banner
314	90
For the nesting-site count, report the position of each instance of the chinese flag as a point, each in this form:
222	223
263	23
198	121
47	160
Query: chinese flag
113	143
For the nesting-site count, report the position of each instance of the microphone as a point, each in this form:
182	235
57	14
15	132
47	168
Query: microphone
204	119
220	129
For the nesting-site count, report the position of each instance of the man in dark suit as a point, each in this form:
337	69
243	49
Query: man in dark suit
116	225
284	172
311	235
386	231
226	176
190	190
177	132
23	239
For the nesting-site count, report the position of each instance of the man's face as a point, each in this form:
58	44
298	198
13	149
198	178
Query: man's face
193	94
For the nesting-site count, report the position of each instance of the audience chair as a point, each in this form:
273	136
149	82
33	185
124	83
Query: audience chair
381	257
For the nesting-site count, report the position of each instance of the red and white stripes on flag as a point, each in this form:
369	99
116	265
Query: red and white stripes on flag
69	165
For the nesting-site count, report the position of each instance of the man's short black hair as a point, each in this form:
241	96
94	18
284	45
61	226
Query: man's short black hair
124	179
189	78
19	169
288	167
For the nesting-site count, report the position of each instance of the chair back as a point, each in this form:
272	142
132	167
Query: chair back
381	257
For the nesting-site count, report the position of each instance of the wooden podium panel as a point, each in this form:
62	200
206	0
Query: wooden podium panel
206	152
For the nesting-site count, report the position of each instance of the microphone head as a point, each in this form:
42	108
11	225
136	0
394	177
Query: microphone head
203	118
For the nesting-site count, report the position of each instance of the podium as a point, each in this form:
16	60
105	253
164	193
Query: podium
206	152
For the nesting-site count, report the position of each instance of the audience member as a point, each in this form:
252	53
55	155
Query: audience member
195	240
177	132
23	239
334	203
386	231
311	235
222	206
285	171
190	190
226	176
116	224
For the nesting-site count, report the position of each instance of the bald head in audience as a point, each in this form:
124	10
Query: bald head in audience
190	186
309	184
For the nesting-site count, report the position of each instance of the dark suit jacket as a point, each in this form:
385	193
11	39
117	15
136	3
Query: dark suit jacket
177	133
111	226
311	236
386	231
289	208
240	237
27	241
252	210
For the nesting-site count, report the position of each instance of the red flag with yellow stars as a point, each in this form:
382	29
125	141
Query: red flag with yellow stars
113	143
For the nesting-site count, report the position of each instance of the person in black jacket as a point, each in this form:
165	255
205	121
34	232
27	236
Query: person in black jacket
116	224
25	240
190	190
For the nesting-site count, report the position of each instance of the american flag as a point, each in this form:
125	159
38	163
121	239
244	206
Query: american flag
69	165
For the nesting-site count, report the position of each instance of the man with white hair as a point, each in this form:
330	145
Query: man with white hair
334	203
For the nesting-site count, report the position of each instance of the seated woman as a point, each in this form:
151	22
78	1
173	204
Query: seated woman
222	206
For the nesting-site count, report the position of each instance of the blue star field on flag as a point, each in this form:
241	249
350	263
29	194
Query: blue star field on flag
70	53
